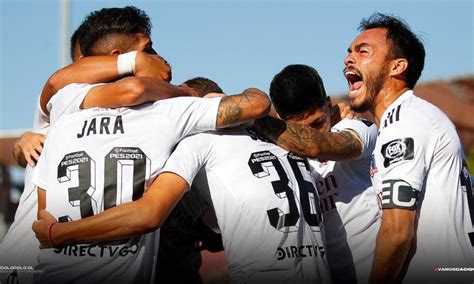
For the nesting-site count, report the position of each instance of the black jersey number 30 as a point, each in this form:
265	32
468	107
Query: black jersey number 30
115	162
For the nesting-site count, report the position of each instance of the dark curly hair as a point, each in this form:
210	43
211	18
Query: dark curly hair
404	43
297	89
110	22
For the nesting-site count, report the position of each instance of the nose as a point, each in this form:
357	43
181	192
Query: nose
349	59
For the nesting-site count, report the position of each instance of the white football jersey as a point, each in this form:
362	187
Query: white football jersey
266	205
98	158
349	206
419	165
20	246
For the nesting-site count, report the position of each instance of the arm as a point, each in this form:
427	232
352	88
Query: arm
28	148
394	242
237	109
131	91
307	142
100	69
129	219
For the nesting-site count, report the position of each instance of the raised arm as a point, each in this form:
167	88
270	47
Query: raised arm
307	142
126	220
102	69
237	109
131	91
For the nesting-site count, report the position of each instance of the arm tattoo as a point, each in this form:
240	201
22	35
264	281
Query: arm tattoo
234	110
307	142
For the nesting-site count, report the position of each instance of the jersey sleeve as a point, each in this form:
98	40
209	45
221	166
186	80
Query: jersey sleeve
190	156
404	155
365	129
40	120
67	100
193	115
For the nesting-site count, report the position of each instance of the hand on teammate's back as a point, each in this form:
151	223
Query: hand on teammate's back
31	145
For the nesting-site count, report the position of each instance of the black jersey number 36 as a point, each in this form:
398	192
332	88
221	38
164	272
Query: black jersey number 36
260	164
114	175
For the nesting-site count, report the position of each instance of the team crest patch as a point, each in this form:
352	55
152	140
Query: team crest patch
397	150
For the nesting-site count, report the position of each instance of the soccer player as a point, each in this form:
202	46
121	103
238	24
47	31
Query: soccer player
418	171
19	246
350	212
184	234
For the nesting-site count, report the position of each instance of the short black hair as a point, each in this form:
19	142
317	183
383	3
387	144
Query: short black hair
404	43
297	89
75	40
112	21
203	86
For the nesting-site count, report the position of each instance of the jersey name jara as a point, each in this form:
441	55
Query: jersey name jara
102	125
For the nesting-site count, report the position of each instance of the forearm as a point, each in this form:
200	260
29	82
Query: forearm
131	91
91	70
391	255
237	109
115	223
307	142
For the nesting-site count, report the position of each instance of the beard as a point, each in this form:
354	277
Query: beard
373	87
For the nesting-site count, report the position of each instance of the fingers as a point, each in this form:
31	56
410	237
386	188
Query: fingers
46	216
31	145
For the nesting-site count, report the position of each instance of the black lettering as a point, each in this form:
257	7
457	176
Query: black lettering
58	250
134	248
104	125
82	251
112	250
89	251
309	250
280	254
294	251
301	251
92	127
81	134
73	250
102	248
118	125
124	251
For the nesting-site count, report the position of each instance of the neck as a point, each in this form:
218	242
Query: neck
384	100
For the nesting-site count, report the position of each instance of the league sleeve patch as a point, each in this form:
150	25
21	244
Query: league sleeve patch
397	150
399	194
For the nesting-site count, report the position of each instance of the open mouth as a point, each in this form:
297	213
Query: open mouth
354	78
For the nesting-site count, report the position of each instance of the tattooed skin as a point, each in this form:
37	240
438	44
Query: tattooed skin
237	109
307	142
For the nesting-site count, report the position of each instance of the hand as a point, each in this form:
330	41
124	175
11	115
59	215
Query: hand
191	91
149	65
345	111
41	228
30	145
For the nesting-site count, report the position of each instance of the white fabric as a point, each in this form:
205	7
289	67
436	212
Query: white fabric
349	206
434	170
238	169
20	246
107	141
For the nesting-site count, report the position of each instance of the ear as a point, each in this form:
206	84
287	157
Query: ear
329	101
398	66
